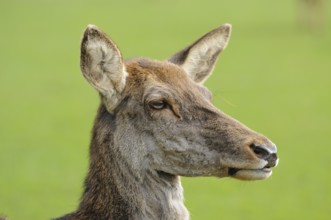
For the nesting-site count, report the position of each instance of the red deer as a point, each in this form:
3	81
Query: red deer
155	123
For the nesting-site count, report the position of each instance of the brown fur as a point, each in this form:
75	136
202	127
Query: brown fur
138	150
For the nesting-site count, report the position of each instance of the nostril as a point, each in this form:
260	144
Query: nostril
272	160
259	151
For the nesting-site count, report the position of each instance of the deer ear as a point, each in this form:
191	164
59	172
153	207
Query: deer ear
102	65
198	59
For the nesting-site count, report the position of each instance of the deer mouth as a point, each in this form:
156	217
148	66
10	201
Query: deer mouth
250	174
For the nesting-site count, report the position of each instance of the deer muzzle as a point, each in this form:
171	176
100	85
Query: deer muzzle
266	154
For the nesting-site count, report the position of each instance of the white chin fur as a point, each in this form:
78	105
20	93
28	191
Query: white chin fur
252	174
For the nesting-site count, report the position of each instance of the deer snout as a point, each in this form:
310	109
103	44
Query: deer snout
265	158
267	152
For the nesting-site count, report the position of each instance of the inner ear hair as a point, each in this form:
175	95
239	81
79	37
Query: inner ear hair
102	65
198	59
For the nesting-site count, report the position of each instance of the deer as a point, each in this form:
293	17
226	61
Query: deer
155	123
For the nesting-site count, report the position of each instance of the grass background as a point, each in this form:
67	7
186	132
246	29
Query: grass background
274	77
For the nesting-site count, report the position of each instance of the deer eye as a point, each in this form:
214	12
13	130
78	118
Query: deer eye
158	104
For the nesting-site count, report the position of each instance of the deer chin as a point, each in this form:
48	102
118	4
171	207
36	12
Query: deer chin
250	174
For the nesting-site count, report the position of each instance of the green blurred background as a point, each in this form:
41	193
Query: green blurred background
274	76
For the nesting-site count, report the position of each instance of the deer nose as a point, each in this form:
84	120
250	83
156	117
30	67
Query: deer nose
267	153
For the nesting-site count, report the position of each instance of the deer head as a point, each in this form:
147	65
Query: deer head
165	121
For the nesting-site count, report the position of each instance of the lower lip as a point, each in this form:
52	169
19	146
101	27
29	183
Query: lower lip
267	170
250	174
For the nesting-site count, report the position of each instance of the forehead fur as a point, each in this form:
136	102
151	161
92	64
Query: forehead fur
142	71
162	70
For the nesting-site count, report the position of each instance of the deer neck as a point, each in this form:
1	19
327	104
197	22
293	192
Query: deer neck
121	187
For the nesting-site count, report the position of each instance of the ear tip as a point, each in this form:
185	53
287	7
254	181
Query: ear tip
91	28
226	27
